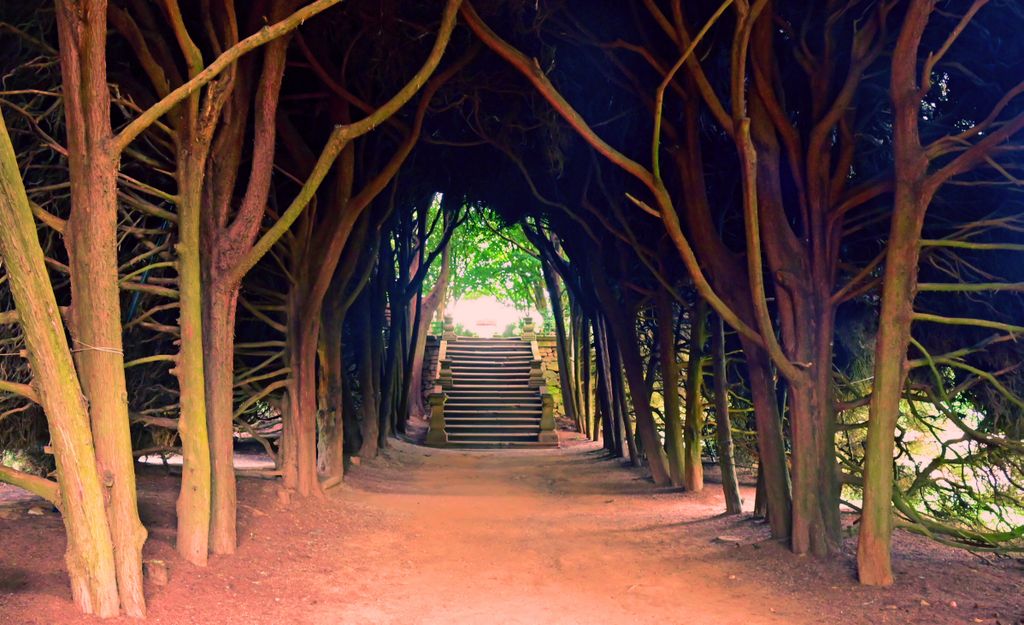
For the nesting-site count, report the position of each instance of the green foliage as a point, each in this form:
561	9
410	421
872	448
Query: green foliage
490	258
460	330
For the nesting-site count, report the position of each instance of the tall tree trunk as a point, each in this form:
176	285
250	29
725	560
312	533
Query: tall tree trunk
561	341
816	524
587	381
91	240
577	359
300	422
429	306
193	506
605	400
353	438
330	422
220	303
693	477
760	496
90	548
911	197
624	423
632	364
723	424
771	449
670	387
368	375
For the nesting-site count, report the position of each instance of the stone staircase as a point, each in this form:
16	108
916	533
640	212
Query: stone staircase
490	394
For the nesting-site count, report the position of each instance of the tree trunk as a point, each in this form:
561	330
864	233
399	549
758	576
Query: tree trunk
632	365
723	424
561	341
193	506
368	376
330	423
693	476
873	549
90	549
587	382
670	387
605	400
220	304
771	450
300	422
623	422
91	241
760	497
428	307
577	363
816	526
911	197
353	438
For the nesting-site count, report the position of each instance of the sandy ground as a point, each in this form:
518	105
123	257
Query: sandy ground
567	536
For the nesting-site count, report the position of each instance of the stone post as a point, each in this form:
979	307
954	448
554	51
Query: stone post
547	418
436	436
529	332
449	328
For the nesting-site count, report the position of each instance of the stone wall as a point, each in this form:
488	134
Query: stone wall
548	348
430	362
547	345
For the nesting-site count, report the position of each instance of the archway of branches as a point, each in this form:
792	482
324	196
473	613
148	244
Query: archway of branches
785	235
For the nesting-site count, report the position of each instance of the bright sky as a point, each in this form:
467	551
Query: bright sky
486	316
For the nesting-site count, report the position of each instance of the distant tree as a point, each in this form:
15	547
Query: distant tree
491	259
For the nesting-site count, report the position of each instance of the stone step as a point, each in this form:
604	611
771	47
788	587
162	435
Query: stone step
505	413
489	384
495	382
483	347
489	344
498	389
484	444
498	373
497	349
492	420
490	410
484	399
493	399
484	359
461	400
497	428
510	382
482	404
504	437
491	365
490	403
502	389
489	351
486	363
483	355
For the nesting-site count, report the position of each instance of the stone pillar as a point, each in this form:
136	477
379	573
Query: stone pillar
436	436
529	331
536	373
547	419
444	376
449	328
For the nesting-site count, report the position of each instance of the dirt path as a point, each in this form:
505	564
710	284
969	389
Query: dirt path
547	538
563	536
